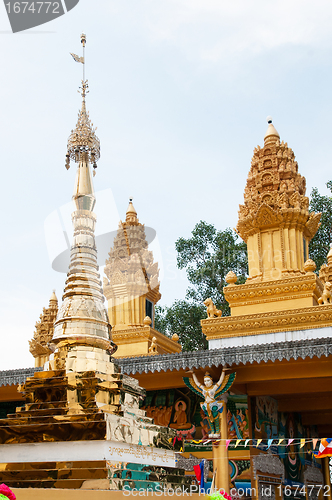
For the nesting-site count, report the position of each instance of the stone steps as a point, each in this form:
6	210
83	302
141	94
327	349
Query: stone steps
101	474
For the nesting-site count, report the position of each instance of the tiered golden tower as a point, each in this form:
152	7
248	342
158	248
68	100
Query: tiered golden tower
80	397
132	284
132	290
282	290
276	224
39	344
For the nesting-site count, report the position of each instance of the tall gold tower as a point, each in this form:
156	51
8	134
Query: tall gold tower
82	318
132	290
80	397
132	284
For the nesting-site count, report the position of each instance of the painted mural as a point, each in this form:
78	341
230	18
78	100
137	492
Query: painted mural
240	473
264	417
295	458
237	417
180	409
176	409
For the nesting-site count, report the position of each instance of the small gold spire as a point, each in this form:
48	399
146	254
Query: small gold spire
131	214
271	133
53	297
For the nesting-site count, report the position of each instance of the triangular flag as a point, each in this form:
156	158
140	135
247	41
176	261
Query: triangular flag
247	441
290	441
302	443
314	442
181	449
269	442
198	472
77	58
258	442
227	443
280	441
238	441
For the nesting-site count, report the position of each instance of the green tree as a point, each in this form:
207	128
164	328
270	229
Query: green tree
184	319
320	244
207	256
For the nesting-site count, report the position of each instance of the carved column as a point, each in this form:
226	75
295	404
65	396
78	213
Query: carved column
220	454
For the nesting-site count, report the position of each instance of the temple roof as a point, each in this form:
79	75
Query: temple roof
14	377
232	356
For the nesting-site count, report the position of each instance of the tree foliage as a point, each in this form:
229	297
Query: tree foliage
184	319
320	244
207	256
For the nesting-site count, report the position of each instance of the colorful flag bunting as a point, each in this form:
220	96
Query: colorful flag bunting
325	448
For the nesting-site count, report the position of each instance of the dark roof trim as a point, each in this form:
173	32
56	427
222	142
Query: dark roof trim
14	377
300	349
232	356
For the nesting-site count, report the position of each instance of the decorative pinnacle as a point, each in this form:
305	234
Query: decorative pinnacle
84	89
131	214
271	133
83	144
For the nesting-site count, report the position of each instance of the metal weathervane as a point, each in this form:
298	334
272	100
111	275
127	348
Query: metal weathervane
83	144
84	89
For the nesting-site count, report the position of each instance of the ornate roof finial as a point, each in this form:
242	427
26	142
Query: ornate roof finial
53	298
131	214
83	144
271	133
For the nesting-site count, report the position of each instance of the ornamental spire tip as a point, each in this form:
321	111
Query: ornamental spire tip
83	144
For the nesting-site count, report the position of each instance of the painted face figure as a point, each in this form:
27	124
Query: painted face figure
207	381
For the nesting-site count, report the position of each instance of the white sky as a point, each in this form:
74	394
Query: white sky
179	91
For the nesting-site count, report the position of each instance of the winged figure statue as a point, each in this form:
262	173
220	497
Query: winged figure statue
213	405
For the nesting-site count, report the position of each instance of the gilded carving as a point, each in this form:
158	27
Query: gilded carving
326	295
231	278
312	224
269	322
153	347
211	309
309	266
38	345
